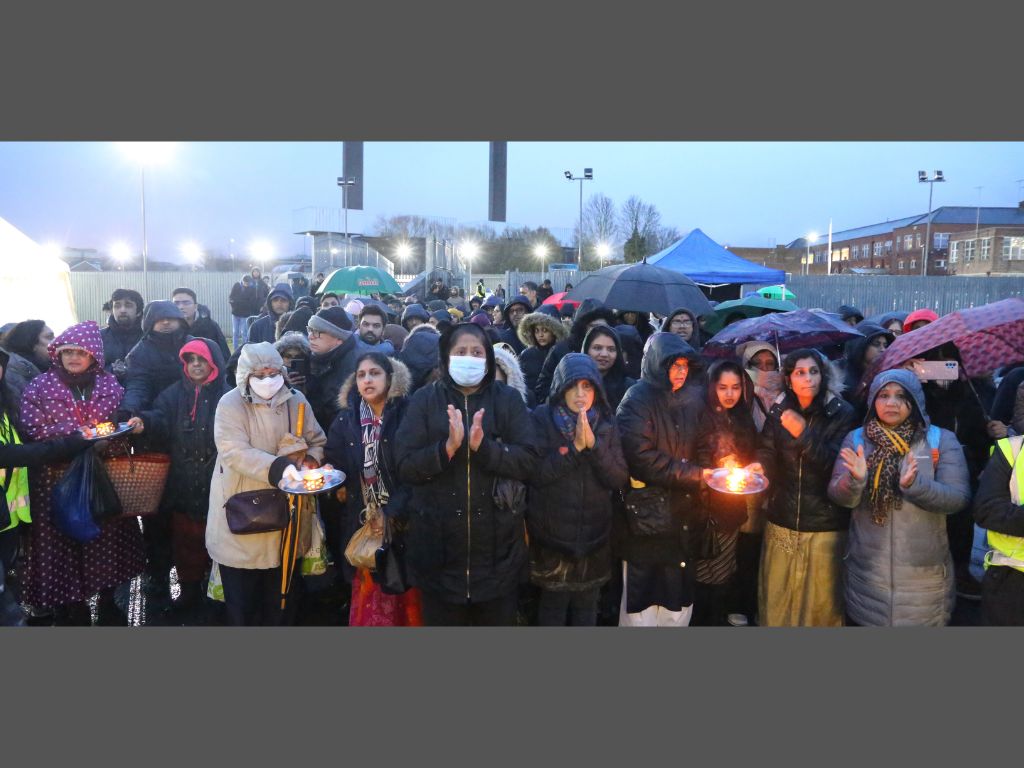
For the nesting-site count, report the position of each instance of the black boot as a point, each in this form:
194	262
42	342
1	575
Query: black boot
107	612
185	611
72	615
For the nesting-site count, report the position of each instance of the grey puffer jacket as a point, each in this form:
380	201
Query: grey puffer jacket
901	573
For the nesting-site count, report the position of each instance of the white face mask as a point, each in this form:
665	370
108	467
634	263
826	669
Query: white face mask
266	388
467	371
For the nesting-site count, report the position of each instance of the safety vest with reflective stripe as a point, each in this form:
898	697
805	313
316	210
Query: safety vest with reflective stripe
1009	550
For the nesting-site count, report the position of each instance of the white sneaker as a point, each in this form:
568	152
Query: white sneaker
737	620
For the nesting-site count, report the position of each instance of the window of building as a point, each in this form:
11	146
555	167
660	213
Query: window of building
954	252
918	240
844	255
899	264
941	240
969	249
908	242
888	246
856	252
1013	248
913	263
986	248
940	263
878	248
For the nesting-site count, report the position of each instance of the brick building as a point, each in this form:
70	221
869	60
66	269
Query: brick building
897	246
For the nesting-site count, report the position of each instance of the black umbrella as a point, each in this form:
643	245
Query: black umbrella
642	287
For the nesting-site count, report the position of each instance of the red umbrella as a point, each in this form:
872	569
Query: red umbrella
987	337
559	300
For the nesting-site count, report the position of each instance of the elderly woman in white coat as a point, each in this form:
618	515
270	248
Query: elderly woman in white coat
251	422
902	477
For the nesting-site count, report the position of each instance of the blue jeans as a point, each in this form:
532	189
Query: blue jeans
237	331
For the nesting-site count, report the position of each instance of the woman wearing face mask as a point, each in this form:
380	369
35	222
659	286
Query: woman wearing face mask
806	533
726	438
902	477
658	422
362	443
253	421
601	344
761	364
570	499
59	571
464	438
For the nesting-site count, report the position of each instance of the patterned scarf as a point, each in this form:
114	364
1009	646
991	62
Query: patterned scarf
565	420
891	445
375	494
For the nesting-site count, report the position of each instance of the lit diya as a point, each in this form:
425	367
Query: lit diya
105	428
737	481
313	479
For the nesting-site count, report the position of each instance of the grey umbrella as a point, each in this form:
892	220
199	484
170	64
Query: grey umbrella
642	287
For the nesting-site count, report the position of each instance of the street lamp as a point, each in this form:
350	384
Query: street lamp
588	175
603	252
120	252
146	153
262	251
345	183
811	237
469	252
541	252
192	252
922	178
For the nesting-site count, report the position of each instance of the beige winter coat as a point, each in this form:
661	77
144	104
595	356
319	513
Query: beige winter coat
247	435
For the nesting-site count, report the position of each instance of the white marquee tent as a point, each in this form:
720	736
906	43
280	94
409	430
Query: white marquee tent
34	284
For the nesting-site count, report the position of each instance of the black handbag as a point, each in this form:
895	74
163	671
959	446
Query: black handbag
259	511
649	512
390	574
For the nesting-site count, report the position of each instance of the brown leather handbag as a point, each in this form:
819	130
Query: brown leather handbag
259	511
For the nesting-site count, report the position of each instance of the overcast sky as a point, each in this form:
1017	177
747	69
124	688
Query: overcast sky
87	195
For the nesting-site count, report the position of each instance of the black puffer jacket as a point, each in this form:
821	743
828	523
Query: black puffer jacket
800	469
659	434
344	450
327	375
420	353
265	327
118	341
570	498
616	382
153	363
181	420
244	299
509	333
455	555
853	367
588	312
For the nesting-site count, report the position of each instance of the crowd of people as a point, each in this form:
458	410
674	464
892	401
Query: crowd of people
506	462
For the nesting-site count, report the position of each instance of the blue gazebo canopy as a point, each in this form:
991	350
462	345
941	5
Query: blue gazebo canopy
704	261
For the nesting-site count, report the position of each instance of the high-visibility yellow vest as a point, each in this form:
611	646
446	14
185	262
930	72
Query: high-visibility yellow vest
1010	548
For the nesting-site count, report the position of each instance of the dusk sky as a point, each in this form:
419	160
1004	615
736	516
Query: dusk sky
756	194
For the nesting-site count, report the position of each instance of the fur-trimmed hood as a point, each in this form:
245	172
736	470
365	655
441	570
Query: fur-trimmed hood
509	363
401	384
542	320
293	343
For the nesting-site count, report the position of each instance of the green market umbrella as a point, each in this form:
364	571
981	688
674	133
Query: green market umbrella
777	292
751	306
359	280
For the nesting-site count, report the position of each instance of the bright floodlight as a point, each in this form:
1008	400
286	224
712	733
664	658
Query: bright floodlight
148	152
262	250
192	252
470	249
403	251
540	251
812	237
120	251
604	250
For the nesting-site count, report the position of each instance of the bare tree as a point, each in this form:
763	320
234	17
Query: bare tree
663	238
639	223
600	223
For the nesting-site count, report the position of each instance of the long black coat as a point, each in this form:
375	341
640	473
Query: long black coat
344	451
153	363
118	342
327	375
659	431
461	548
570	495
800	469
188	437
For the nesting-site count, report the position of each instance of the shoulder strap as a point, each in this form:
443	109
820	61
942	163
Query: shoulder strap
858	437
934	438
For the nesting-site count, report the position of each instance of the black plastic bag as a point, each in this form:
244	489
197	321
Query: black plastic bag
106	504
72	500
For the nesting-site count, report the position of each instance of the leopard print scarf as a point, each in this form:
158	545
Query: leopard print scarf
884	464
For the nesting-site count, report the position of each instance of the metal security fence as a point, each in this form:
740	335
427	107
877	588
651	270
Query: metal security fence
558	278
874	294
92	289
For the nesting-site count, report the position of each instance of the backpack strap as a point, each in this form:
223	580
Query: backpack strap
858	438
934	437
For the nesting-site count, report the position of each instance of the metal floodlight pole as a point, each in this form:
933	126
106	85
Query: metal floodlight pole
922	177
588	175
345	183
145	242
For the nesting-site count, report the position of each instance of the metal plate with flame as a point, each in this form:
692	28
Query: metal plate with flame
737	481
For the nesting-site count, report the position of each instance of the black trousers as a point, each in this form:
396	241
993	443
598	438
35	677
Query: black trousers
252	597
711	603
1002	597
560	608
500	612
156	534
748	565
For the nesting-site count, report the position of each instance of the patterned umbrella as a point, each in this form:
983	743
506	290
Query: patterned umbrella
361	280
987	337
788	331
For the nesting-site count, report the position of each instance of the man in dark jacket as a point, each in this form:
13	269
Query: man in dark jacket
153	363
414	315
200	324
457	442
420	354
262	286
182	419
590	313
515	311
658	420
544	292
333	345
278	302
124	329
245	302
